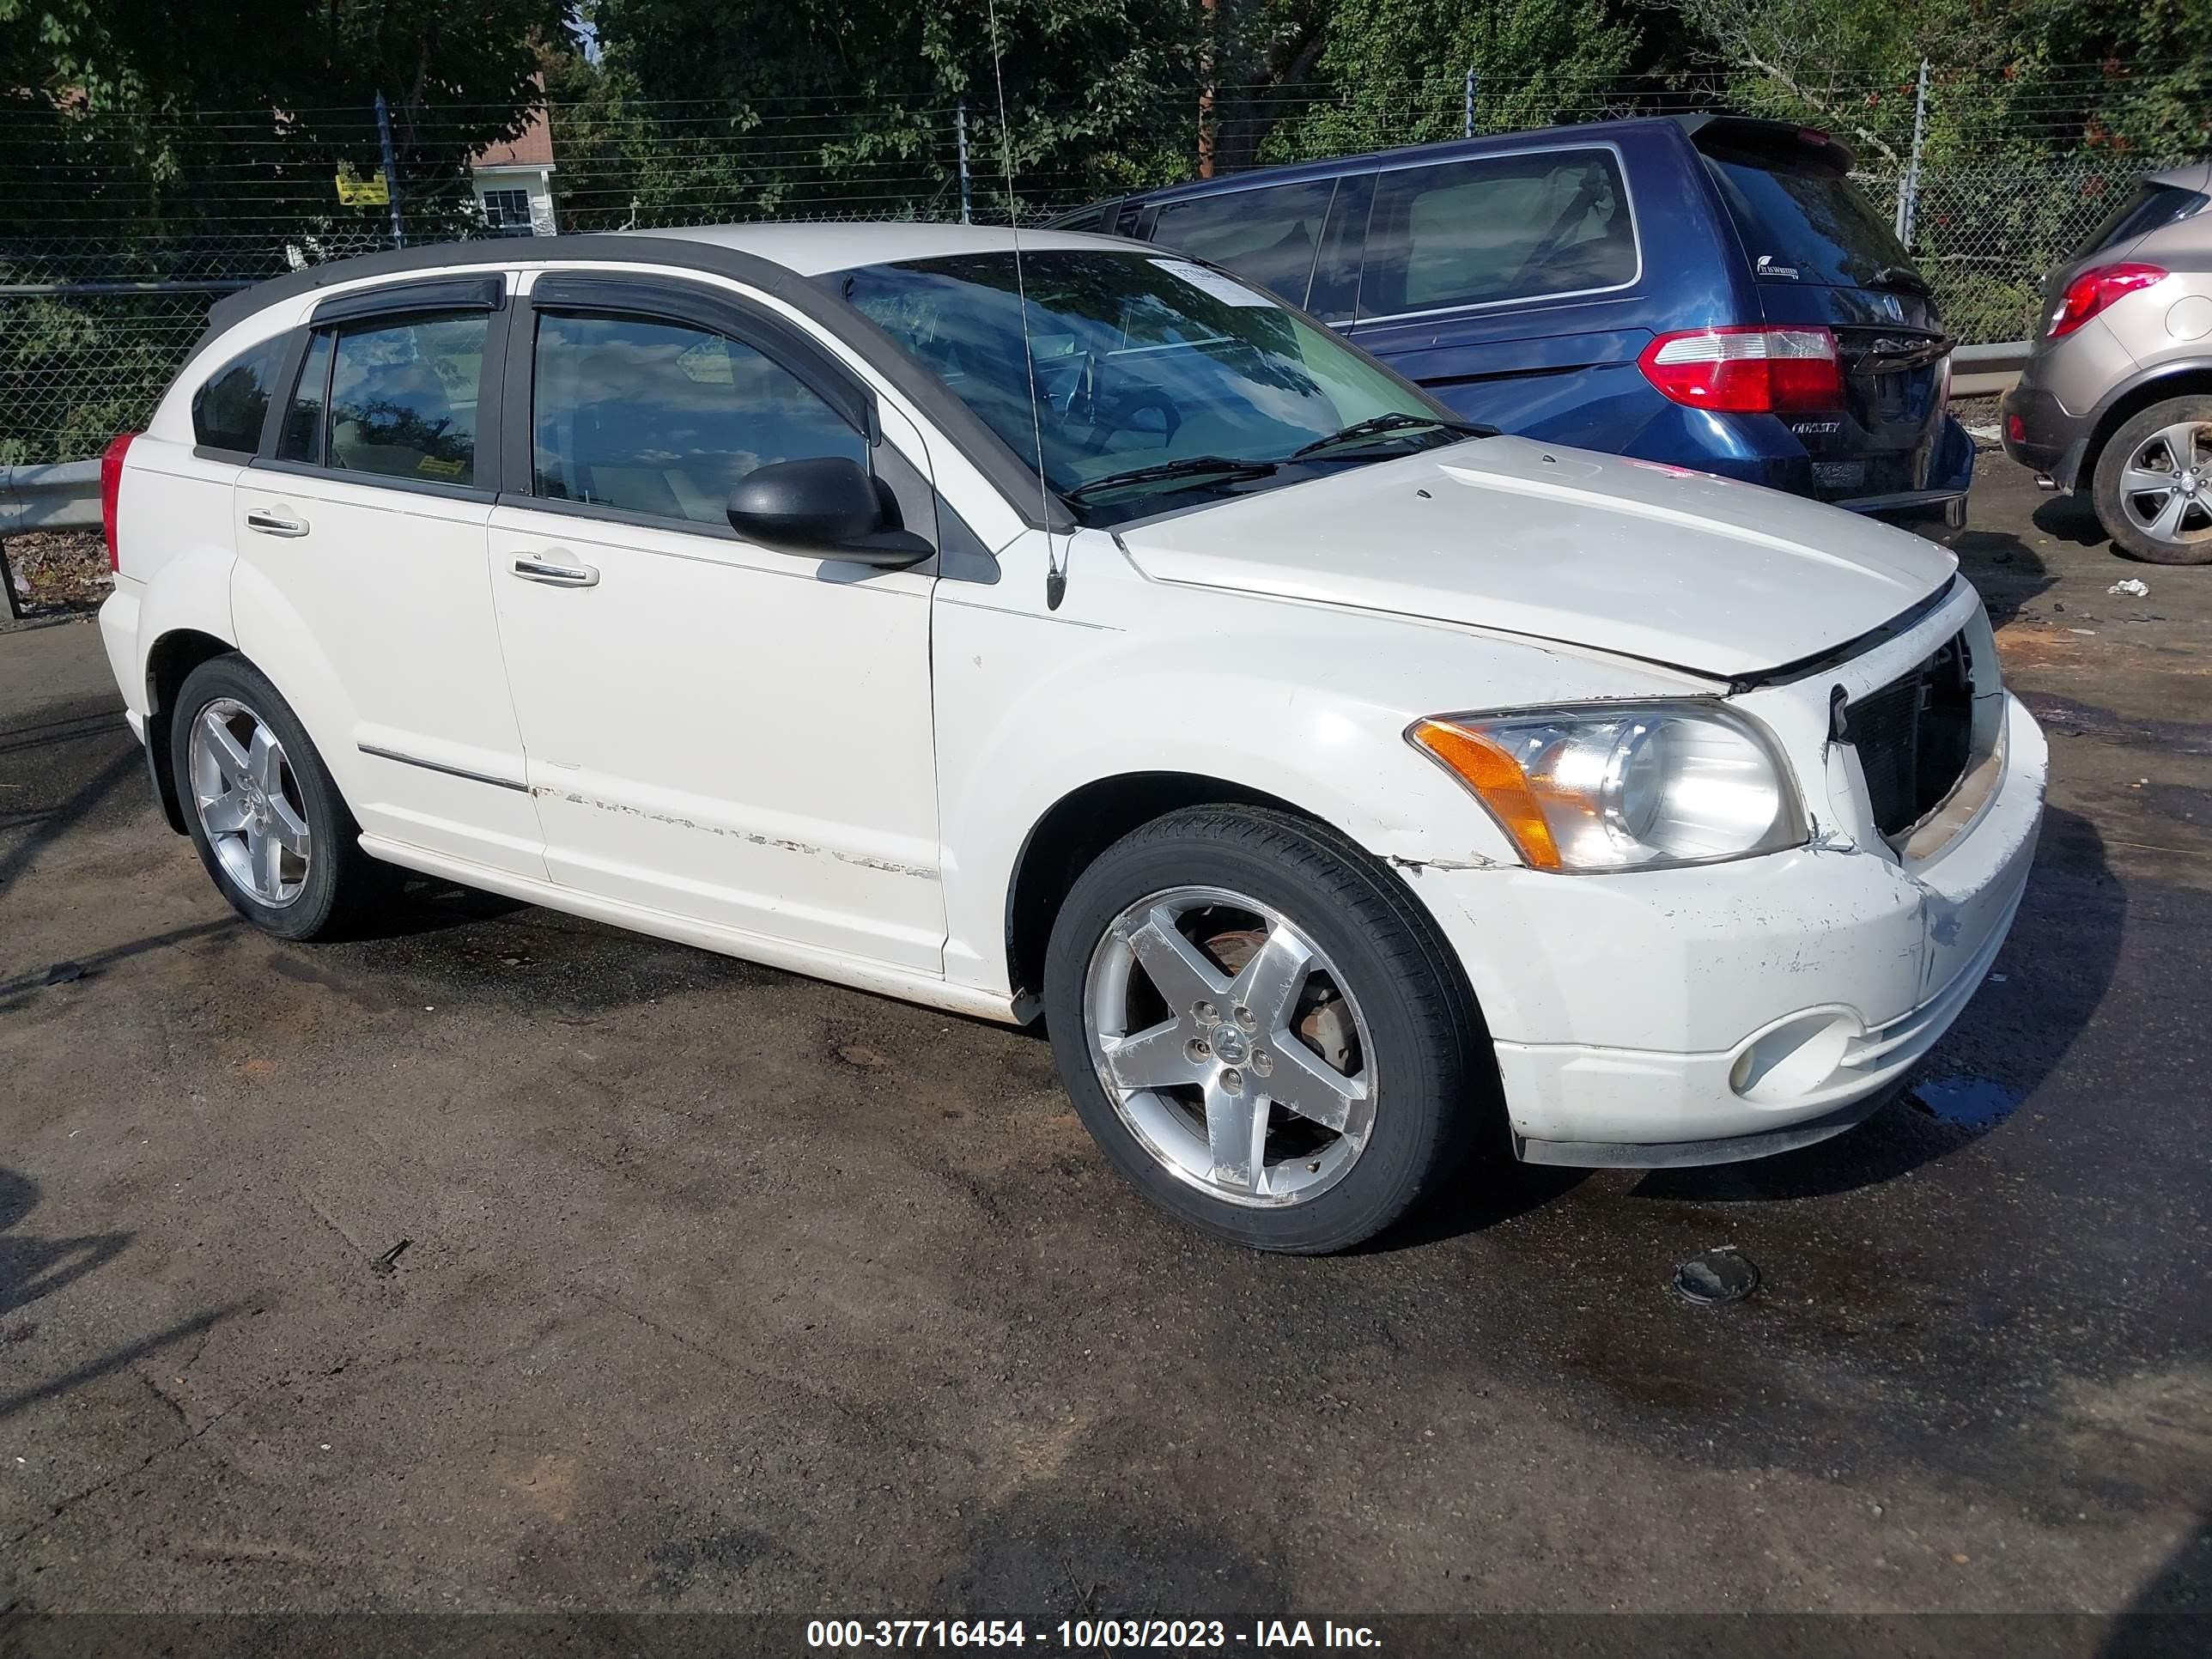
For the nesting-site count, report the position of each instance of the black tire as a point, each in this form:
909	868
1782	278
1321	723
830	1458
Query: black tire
1437	1085
2127	537
341	884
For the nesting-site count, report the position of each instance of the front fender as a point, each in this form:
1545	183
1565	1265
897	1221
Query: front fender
1307	704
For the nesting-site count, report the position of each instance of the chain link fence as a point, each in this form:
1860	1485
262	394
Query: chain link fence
96	318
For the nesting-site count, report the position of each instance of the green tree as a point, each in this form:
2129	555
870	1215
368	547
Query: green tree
1398	70
126	116
750	108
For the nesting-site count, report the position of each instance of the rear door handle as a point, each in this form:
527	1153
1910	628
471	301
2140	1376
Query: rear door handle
275	524
556	575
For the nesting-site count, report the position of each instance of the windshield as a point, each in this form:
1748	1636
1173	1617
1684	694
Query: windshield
1144	362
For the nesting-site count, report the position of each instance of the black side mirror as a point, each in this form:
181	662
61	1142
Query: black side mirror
825	506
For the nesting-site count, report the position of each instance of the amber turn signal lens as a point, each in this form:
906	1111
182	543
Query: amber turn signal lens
1498	782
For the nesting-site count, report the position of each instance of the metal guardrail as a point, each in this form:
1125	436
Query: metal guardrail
1981	371
62	497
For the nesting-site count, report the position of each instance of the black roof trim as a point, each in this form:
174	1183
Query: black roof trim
1013	479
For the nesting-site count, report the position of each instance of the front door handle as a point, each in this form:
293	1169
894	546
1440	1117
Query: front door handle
556	575
274	524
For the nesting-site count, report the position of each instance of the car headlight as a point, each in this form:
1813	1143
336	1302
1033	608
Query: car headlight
1622	785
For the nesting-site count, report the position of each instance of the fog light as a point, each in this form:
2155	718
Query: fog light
1793	1058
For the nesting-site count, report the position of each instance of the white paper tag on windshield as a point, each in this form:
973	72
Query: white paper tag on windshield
1213	282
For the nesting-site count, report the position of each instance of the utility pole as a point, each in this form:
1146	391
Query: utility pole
1908	187
1212	10
960	118
1468	130
391	169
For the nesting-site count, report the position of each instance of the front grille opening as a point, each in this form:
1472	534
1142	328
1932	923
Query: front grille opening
1915	737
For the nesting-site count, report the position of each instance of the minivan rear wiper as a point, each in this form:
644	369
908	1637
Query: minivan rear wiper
1191	466
1900	277
1378	426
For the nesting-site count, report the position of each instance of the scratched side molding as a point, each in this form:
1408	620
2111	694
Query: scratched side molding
440	766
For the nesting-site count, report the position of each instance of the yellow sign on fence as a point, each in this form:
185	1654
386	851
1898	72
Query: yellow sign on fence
356	191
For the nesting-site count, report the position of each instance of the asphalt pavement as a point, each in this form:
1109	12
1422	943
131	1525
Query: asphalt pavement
506	1261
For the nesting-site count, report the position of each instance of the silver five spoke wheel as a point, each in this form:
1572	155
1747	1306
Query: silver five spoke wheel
1231	1046
249	803
2165	488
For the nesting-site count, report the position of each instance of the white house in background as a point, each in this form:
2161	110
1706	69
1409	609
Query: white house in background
513	181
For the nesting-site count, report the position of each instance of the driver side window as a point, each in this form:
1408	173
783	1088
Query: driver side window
664	418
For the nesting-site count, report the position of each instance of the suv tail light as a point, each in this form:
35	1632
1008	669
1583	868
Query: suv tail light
2095	289
1746	368
111	488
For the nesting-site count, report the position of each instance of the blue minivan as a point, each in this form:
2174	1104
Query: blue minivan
1707	291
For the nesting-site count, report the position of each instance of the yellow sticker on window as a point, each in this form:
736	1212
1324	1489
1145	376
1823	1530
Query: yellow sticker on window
439	467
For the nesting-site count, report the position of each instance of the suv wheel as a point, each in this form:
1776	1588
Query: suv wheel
267	818
1263	1031
2153	488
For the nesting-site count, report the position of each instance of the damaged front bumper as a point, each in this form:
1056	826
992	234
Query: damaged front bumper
1704	1015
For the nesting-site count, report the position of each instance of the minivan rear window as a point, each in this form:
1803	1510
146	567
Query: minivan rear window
1803	222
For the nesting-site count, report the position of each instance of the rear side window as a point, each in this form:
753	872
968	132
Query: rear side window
662	418
1502	227
403	398
228	410
1802	221
302	439
2147	208
1268	236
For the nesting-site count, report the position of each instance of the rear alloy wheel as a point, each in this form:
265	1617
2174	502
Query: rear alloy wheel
2153	483
1262	1030
263	813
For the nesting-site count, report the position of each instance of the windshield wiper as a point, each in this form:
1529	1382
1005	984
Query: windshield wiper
1191	466
1380	426
1900	277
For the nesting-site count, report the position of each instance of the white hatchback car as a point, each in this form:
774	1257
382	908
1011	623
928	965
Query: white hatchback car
1080	633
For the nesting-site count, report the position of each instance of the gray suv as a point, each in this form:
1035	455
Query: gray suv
2117	399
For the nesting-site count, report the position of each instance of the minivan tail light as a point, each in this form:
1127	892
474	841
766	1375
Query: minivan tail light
110	489
1746	368
2096	288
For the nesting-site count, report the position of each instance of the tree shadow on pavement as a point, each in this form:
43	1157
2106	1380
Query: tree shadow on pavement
34	1267
2170	1616
2005	570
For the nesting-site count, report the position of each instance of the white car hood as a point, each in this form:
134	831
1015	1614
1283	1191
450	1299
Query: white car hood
1676	567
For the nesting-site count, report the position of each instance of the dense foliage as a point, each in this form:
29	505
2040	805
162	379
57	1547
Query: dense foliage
142	139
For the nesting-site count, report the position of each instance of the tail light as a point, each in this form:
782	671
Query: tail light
2093	289
1747	368
111	488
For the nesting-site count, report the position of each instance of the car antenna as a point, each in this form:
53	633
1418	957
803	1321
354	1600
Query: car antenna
1056	569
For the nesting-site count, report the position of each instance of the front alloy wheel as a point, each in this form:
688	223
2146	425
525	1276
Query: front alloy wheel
1230	1046
1263	1030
